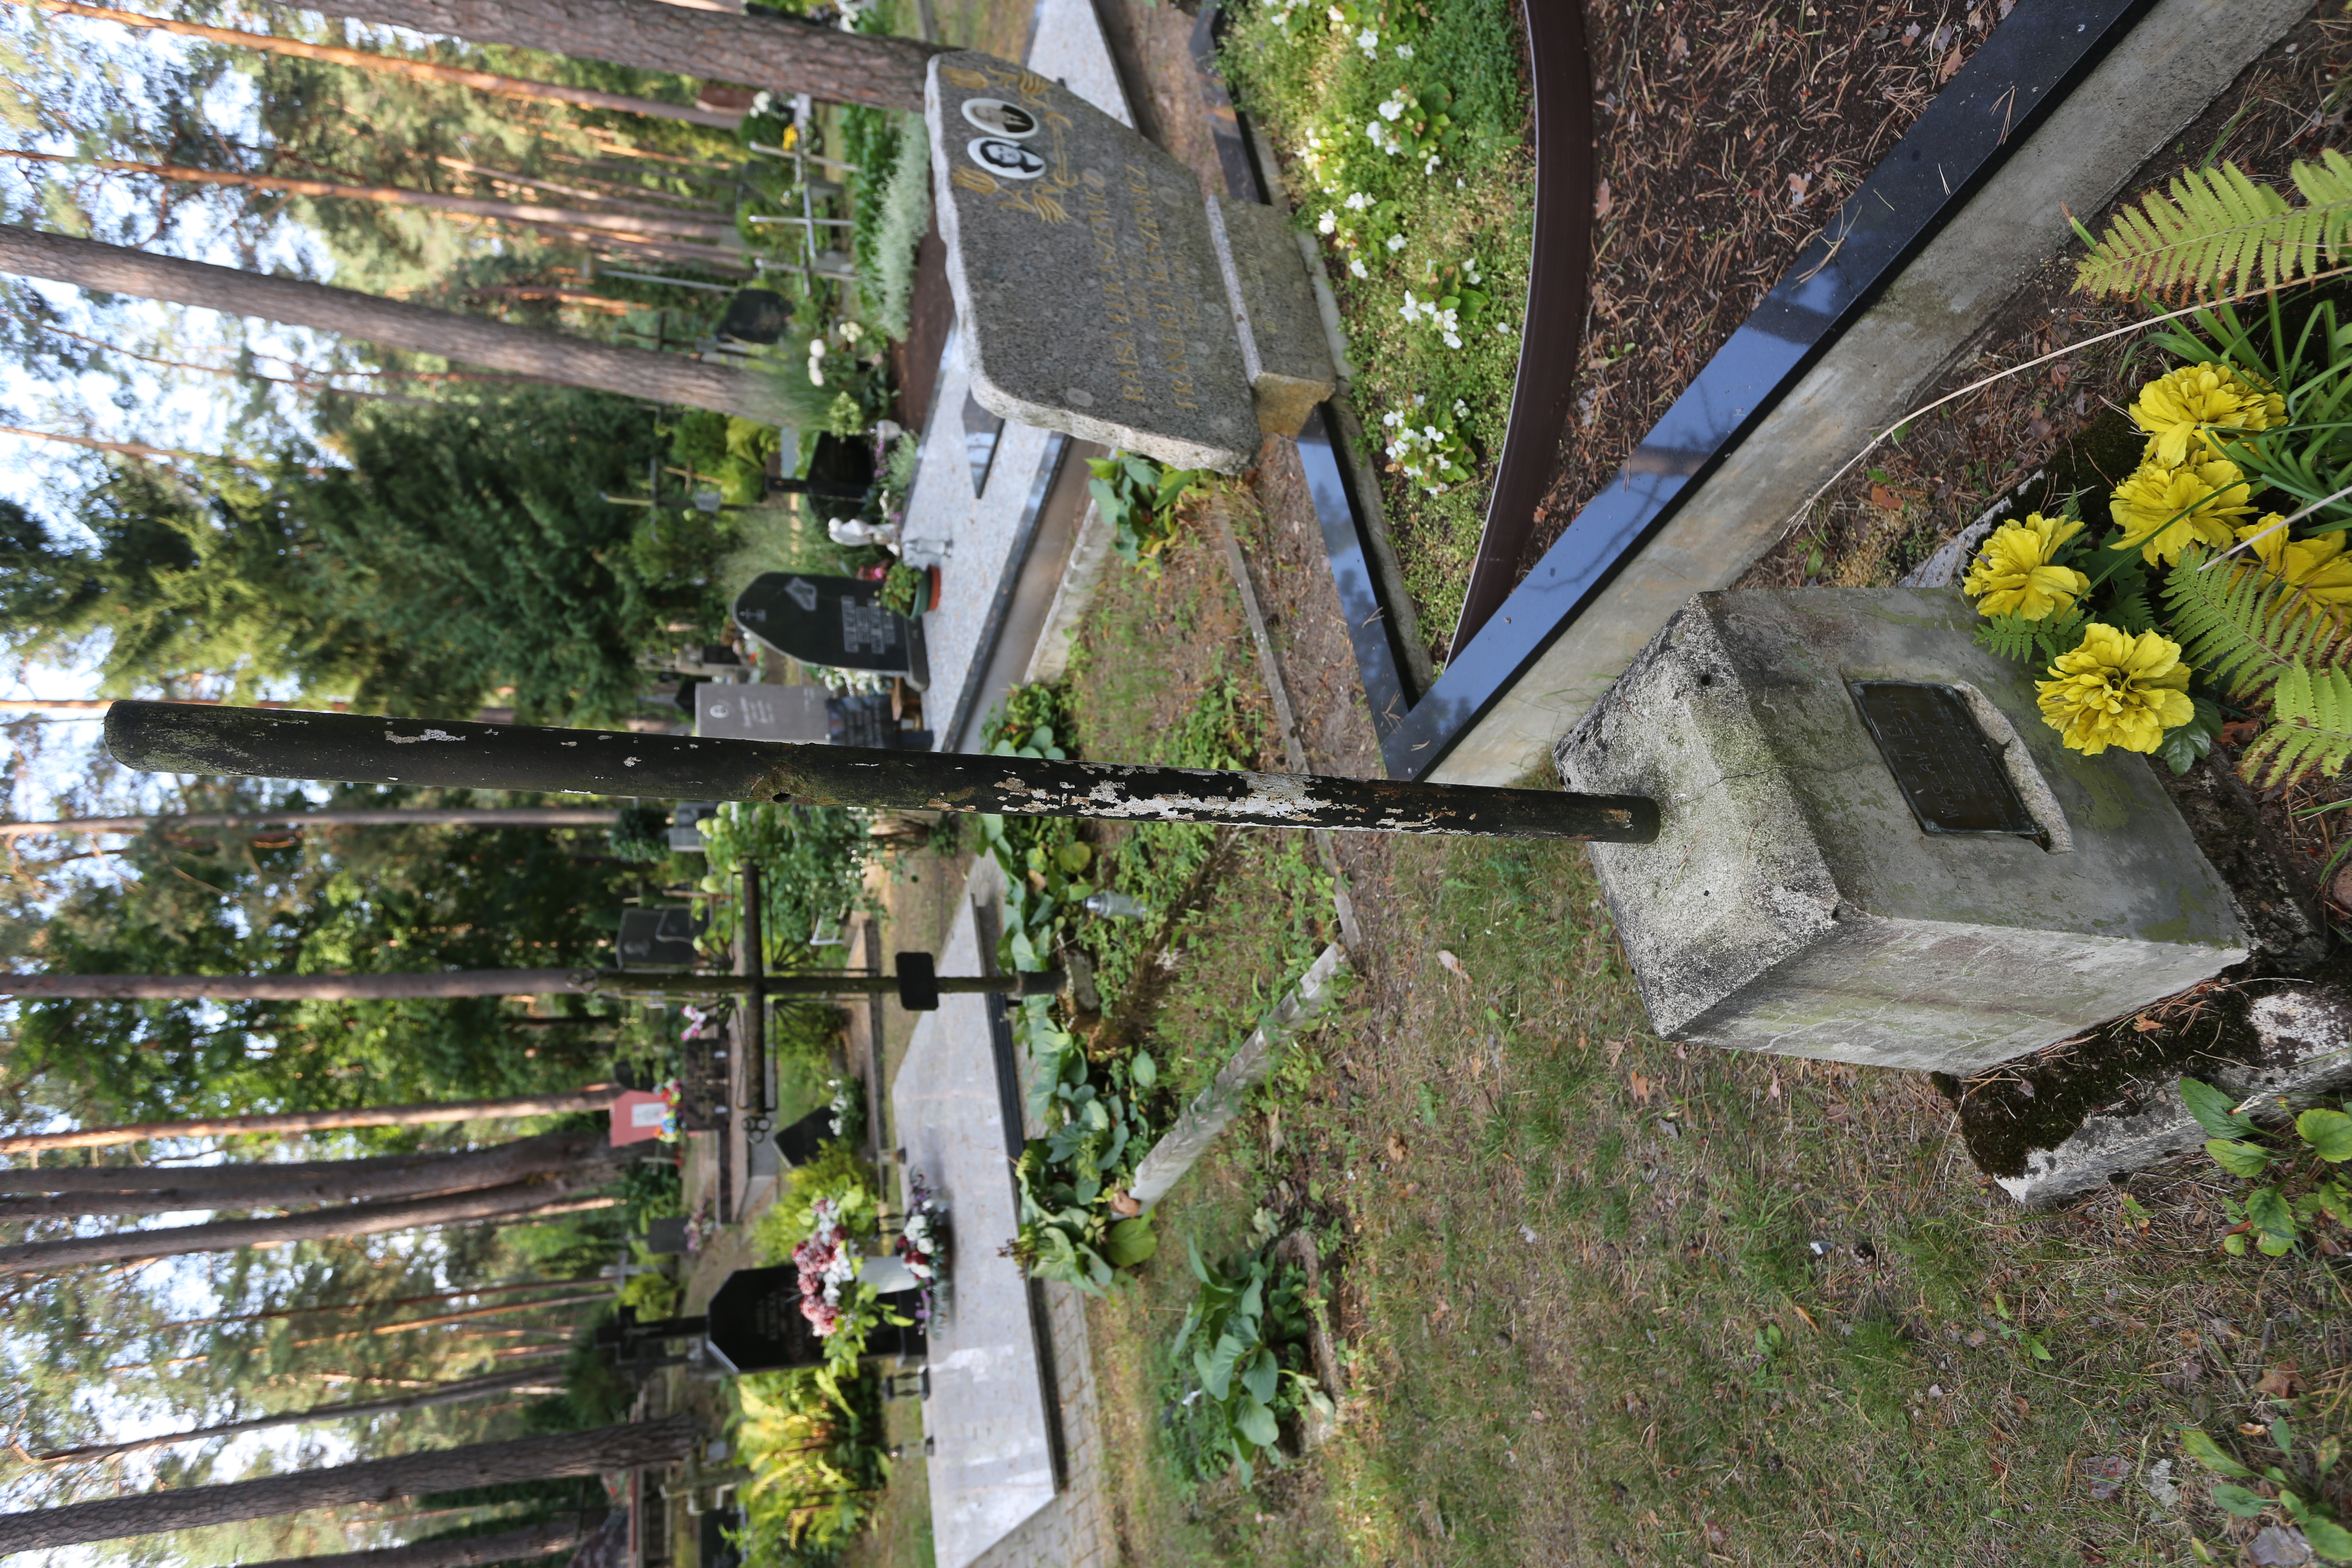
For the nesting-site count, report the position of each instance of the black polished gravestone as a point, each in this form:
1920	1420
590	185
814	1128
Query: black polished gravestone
756	316
833	621
661	939
754	1323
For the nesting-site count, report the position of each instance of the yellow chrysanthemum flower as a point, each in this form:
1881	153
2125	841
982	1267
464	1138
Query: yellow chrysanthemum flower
2317	566
2164	510
2117	690
2193	404
2012	574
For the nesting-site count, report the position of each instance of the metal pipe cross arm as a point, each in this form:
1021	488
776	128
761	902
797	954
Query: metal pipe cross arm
168	737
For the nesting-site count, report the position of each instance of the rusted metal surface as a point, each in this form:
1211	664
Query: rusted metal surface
166	737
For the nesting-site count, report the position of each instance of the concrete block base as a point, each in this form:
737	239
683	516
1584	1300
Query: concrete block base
1805	897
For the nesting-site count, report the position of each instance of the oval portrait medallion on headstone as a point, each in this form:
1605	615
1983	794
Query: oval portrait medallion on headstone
1000	119
1008	160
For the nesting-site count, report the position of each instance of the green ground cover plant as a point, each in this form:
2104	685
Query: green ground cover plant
1609	1300
1401	128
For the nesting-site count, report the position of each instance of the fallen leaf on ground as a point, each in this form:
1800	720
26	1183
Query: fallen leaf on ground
2279	1381
1678	50
2106	1476
1773	1091
1641	1086
1396	1147
1601	203
1885	500
1125	1207
1453	964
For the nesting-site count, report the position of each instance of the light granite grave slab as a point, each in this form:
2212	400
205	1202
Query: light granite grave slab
1088	291
992	1462
1950	890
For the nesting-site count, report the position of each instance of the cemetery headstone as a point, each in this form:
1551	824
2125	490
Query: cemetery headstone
660	939
756	316
685	837
1090	294
665	1235
759	711
803	1140
833	621
1873	850
755	1322
864	719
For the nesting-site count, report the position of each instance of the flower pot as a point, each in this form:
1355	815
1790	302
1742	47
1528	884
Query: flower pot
932	601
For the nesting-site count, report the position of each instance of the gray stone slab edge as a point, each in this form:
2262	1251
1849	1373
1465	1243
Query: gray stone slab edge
2154	82
1089	553
2306	1036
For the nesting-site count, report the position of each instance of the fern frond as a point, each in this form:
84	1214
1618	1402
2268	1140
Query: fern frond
2007	637
2310	728
2246	628
2130	611
2219	232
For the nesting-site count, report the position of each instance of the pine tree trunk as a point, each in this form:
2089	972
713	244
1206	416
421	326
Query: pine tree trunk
424	1399
442	1319
417	70
576	221
554	356
390	816
296	987
467	1551
174	1189
637	1446
781	54
595	1097
541	1196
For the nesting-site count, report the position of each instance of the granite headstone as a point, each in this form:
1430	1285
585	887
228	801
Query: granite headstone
833	621
1087	289
660	939
759	711
755	1322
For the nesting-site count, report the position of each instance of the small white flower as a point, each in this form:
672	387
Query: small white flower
1328	223
1411	307
1404	51
1368	41
1430	167
1356	266
1394	108
1461	409
850	331
1335	14
1451	340
1359	202
1396	242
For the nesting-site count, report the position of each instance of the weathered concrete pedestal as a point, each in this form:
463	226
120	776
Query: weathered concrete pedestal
1874	848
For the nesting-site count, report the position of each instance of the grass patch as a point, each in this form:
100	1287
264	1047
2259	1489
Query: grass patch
1447	215
1610	1300
1162	673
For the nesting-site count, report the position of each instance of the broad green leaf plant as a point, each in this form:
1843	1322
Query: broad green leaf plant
2303	1184
1093	1133
1138	497
2290	1486
1246	1335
